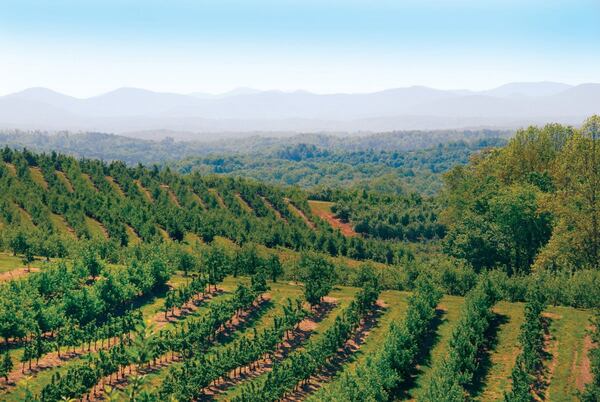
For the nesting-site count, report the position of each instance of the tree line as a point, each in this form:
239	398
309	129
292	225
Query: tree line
300	366
380	377
454	375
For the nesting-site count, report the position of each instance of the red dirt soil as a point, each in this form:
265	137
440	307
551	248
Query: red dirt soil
294	341
325	213
16	273
52	360
584	371
335	364
121	383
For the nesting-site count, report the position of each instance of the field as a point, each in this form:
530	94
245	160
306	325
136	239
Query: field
322	209
566	346
163	294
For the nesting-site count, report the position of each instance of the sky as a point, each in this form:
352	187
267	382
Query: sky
86	47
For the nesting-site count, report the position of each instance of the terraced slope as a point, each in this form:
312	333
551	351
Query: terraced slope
322	209
123	204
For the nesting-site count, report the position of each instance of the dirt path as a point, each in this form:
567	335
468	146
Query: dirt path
197	198
217	196
99	225
551	345
167	359
90	182
38	177
16	273
299	213
343	355
12	169
323	211
584	371
160	321
298	336
171	195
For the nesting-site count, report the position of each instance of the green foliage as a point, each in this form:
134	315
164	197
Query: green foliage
387	216
530	205
529	362
317	273
592	390
114	200
454	375
188	381
6	365
301	365
382	374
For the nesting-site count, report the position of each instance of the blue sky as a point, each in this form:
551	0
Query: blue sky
87	47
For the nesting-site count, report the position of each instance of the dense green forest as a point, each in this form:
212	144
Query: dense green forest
134	150
395	162
471	272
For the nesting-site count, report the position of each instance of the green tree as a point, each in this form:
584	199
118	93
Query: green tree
274	268
6	365
577	201
318	276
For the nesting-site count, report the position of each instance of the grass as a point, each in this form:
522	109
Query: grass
88	180
217	196
25	218
322	209
449	309
567	328
38	177
62	226
264	319
245	206
502	357
11	169
152	307
115	186
96	229
8	262
343	295
132	237
65	180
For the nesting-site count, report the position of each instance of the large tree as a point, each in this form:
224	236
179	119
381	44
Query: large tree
318	276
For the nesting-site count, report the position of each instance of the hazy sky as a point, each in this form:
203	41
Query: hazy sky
84	47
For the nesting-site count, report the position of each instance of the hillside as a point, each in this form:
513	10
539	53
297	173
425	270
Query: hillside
565	361
417	159
54	196
158	285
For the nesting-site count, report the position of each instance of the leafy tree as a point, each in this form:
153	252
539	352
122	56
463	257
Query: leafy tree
273	267
6	366
19	244
318	276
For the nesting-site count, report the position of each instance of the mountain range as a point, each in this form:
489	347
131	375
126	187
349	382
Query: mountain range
148	114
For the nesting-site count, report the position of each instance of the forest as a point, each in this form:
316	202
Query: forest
382	268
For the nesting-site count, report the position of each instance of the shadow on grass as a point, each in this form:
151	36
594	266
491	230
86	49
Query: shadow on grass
247	321
484	360
541	384
432	338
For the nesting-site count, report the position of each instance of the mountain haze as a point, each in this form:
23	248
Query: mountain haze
246	110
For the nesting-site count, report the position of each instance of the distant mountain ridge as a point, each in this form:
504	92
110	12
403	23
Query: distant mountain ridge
249	110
